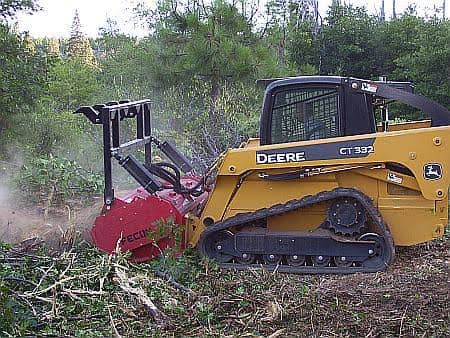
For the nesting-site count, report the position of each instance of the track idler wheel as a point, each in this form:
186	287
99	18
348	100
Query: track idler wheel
215	245
379	258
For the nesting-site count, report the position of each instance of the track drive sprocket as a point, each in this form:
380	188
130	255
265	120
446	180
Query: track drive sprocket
346	216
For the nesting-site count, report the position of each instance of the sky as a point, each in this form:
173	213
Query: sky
55	18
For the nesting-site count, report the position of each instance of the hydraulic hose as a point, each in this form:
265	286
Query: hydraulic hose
171	174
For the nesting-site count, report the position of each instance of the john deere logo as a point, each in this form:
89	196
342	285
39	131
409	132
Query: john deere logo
432	171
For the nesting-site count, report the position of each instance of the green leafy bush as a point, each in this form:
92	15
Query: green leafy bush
46	131
55	179
15	317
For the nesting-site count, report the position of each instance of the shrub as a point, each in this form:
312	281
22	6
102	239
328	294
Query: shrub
55	179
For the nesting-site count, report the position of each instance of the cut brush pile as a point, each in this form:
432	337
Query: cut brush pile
82	292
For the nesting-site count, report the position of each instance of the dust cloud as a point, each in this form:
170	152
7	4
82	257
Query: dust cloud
19	222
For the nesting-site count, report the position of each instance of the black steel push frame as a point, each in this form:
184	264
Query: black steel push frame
109	116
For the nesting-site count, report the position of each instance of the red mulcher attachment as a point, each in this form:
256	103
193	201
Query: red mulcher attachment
165	197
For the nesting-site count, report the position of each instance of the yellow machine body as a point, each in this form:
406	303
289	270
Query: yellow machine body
414	208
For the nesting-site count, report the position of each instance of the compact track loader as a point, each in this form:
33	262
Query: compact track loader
324	189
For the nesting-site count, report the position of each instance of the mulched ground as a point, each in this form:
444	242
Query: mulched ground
411	299
84	293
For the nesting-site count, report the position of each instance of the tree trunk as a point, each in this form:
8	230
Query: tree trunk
214	95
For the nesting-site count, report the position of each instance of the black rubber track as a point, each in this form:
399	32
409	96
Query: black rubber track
250	218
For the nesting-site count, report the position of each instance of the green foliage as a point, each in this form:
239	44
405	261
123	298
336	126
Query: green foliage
22	70
168	229
353	43
8	8
427	65
291	29
185	268
72	83
15	316
126	64
181	116
22	75
347	44
46	131
304	48
54	180
213	42
397	38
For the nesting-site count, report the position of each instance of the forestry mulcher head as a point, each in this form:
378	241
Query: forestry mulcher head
149	219
330	186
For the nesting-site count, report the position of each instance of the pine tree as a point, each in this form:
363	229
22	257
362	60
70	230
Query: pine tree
214	43
29	45
53	50
79	46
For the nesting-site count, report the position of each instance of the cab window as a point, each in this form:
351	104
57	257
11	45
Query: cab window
305	114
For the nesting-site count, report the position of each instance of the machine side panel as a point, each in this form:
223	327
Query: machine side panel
413	149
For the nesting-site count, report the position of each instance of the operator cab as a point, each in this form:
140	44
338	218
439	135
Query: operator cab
318	107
